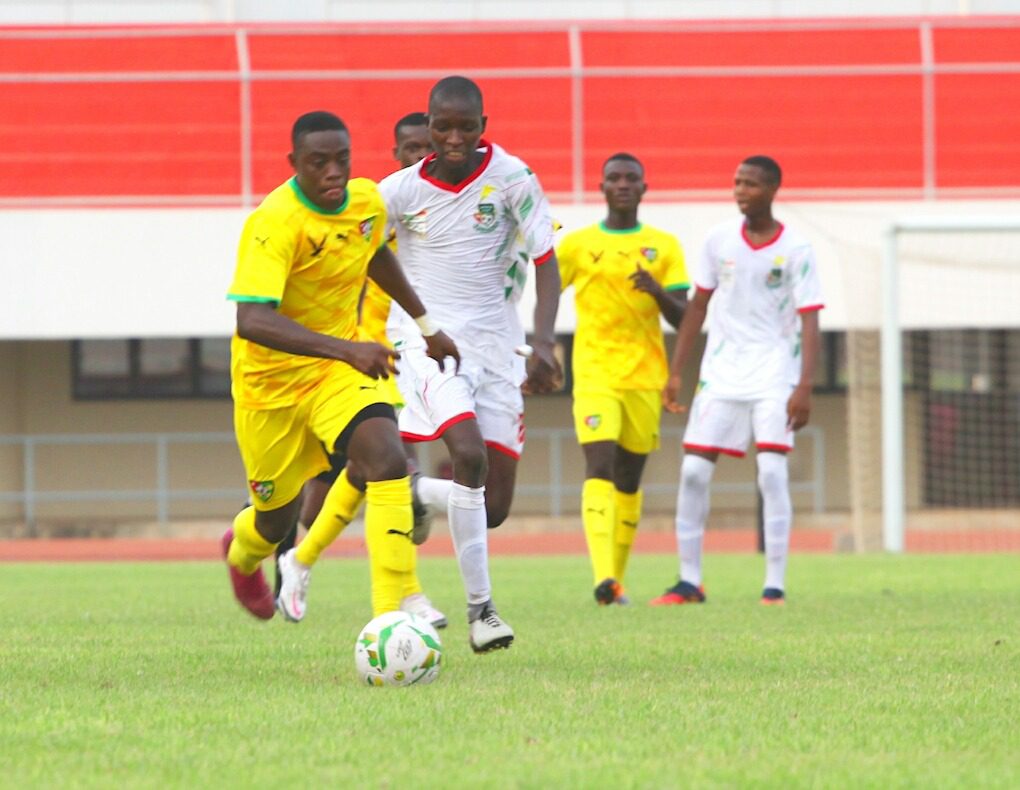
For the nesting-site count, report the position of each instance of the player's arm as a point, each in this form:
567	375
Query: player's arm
690	327
259	322
386	272
671	302
798	408
544	372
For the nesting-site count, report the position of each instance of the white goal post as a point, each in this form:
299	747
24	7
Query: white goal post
892	398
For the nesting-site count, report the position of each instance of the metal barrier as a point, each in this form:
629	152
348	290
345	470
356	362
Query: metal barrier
162	494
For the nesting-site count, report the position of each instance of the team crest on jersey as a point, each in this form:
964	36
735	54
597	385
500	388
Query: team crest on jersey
263	489
593	421
366	225
775	276
415	223
485	218
650	253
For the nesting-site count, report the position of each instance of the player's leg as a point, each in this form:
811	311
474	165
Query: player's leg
628	468
639	436
279	455
374	446
312	496
715	426
597	422
774	440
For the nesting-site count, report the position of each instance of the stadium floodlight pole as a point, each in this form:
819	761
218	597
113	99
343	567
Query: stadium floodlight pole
893	480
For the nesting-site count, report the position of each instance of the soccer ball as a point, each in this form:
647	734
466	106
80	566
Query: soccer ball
398	649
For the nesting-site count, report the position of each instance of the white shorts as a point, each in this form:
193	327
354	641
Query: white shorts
721	425
434	400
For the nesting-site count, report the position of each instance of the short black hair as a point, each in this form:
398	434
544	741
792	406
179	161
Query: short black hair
411	119
316	121
770	167
461	87
623	156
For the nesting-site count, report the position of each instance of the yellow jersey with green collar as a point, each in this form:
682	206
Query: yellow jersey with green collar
310	264
375	307
618	340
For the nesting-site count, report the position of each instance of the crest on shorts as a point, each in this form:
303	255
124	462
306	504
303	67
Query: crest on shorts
366	225
650	253
485	217
593	421
263	489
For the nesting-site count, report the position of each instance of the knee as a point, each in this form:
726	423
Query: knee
470	465
696	473
388	463
496	511
773	471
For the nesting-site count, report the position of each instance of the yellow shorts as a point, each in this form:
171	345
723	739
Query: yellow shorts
628	417
283	448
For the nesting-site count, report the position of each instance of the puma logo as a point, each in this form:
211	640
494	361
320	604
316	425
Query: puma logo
398	532
601	512
631	524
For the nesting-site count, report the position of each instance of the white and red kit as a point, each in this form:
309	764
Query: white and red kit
461	247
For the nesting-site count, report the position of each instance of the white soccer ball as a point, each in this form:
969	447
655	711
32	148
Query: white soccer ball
398	649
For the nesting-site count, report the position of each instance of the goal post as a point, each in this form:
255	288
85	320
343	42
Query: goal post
997	278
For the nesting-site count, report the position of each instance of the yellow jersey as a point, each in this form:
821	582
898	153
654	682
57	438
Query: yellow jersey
310	264
375	307
618	340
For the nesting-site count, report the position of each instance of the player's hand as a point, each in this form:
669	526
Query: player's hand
440	346
373	359
798	408
641	280
544	372
671	395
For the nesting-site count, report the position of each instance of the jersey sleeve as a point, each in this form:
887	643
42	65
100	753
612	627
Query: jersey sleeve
389	192
807	286
566	257
675	277
530	209
706	274
264	259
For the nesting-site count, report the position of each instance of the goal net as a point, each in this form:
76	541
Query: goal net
934	394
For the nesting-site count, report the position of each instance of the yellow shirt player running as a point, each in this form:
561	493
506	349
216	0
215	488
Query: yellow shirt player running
302	386
411	146
625	275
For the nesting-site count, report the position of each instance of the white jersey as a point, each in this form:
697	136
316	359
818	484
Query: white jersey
753	347
465	249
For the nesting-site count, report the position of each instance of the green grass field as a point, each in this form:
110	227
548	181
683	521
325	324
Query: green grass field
880	672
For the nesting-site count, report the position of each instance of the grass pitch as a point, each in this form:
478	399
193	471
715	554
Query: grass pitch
880	672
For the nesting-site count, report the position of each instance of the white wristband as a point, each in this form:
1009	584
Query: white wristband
428	329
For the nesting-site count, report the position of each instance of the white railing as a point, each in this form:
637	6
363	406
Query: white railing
163	494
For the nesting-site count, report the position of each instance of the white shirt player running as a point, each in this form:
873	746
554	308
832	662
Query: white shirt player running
461	247
753	347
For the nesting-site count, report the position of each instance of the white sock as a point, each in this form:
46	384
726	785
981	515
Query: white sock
692	504
471	543
774	483
434	492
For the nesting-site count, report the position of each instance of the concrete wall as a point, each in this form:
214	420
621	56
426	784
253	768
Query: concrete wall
37	399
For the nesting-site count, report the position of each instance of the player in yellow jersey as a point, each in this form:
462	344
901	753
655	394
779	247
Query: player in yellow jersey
303	385
294	565
625	275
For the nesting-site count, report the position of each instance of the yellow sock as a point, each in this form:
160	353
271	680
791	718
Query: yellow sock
597	516
391	554
412	585
338	510
628	514
249	548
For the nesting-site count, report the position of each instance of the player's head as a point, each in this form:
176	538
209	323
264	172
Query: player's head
755	184
321	158
623	182
456	121
411	139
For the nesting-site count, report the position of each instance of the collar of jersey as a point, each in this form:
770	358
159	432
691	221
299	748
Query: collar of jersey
311	206
619	231
460	185
764	244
